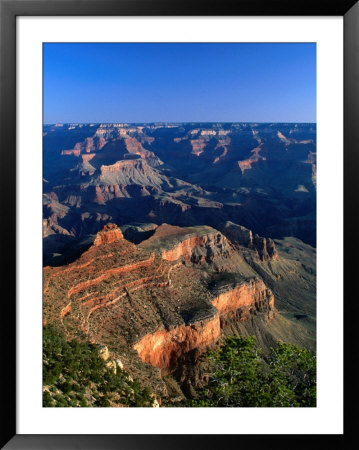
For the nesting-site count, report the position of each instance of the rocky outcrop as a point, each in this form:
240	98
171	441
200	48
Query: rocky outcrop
247	296
74	152
103	143
198	146
132	172
159	315
238	234
165	348
152	296
108	192
103	352
265	247
110	233
90	144
198	249
198	245
119	166
271	249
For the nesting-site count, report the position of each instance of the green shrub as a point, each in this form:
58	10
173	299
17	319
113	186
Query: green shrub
74	368
240	377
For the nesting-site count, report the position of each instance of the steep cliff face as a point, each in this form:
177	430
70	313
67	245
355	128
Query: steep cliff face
88	145
265	247
238	233
110	233
249	295
199	249
164	349
197	245
105	193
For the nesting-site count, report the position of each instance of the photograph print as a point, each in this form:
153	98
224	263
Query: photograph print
179	225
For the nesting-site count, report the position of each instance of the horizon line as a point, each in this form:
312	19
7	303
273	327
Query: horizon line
173	122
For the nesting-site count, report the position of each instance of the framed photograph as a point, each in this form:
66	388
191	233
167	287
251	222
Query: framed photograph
173	176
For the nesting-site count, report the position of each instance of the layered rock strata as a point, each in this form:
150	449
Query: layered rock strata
152	297
198	245
164	348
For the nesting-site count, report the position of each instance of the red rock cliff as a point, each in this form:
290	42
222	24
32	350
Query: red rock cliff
196	244
253	294
163	348
110	233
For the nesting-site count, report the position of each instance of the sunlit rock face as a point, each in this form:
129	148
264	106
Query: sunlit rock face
165	348
110	233
253	294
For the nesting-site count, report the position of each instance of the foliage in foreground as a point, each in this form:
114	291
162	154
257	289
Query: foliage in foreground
240	377
75	375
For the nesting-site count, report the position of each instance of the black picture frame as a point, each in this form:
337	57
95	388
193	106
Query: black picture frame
9	10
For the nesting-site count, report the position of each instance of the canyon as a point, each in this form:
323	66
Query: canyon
260	176
159	240
160	304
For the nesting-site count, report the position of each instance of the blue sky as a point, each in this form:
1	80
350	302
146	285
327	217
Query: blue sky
179	82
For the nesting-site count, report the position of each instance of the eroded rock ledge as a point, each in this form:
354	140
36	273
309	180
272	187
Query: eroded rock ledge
164	348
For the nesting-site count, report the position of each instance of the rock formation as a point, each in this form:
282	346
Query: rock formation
164	348
265	247
246	296
260	176
152	296
110	233
190	259
238	234
162	303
